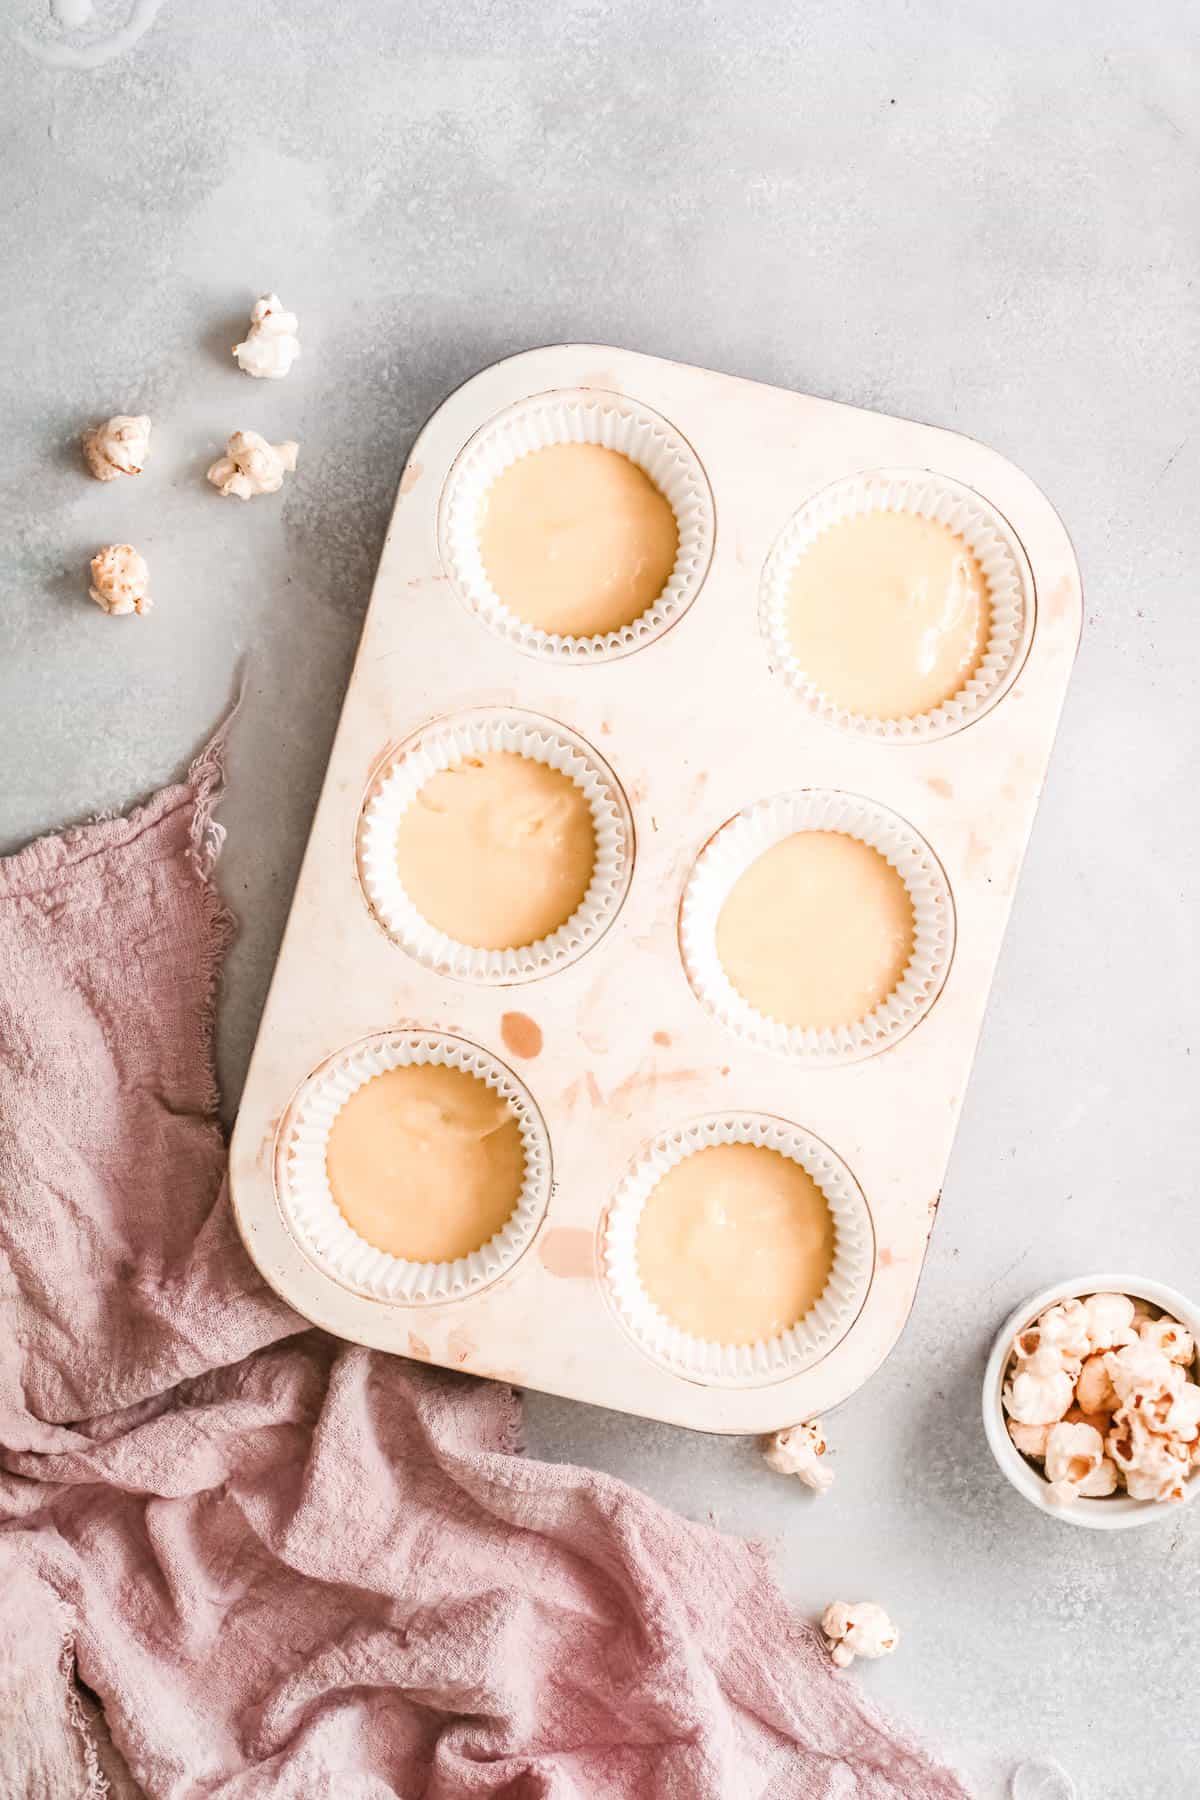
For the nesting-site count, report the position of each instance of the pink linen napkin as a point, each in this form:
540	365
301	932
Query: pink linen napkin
289	1567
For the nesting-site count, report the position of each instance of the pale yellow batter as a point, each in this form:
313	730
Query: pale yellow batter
735	1244
888	614
498	851
577	540
425	1162
817	931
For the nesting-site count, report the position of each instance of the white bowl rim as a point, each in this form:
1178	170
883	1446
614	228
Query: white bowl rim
1112	1514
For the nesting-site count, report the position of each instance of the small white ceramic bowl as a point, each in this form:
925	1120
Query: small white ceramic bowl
1118	1512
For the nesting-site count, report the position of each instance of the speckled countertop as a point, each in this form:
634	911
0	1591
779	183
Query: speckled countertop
968	215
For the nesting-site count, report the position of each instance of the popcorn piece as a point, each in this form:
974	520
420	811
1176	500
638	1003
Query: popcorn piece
1130	1441
1109	1320
252	466
1161	1474
1144	1381
1155	1467
1097	1485
1153	1405
1164	1490
271	345
1183	1418
1035	1343
1169	1337
1099	1421
120	580
860	1629
1073	1453
1062	1493
1101	1482
1044	1361
1029	1439
797	1451
1093	1386
1076	1466
1040	1390
118	447
1066	1327
1141	1366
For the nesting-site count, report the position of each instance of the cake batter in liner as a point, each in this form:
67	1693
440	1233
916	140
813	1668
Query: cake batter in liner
313	1216
739	843
987	535
443	745
771	1359
584	417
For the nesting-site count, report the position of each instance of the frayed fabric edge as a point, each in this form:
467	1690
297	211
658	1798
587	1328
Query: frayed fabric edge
97	1781
54	852
206	778
206	781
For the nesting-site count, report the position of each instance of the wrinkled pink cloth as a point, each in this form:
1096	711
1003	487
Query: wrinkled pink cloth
290	1567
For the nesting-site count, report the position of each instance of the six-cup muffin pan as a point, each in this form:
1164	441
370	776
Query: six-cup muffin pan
698	741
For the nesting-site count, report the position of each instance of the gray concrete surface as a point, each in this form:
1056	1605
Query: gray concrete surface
981	216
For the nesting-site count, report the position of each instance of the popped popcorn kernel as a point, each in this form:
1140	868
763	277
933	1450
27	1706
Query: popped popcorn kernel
120	581
798	1450
117	447
857	1629
271	345
252	466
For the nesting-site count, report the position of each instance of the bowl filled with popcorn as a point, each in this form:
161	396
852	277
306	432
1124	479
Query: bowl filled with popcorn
1091	1401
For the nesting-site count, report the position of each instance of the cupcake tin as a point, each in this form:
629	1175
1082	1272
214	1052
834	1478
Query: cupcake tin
697	742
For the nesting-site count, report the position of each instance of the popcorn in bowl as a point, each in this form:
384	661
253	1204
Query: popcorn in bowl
1101	1392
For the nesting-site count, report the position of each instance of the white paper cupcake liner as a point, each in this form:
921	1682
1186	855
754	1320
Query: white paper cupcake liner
442	746
313	1215
584	417
772	1359
740	842
990	539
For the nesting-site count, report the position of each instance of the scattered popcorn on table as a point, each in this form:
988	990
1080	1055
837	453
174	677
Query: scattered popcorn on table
797	1451
120	580
118	447
271	345
1103	1393
860	1629
252	466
